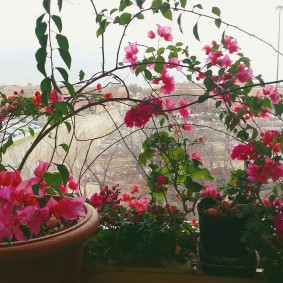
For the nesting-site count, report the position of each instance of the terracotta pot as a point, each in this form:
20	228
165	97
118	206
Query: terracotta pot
54	258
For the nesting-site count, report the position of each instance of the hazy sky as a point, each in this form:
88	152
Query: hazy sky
18	42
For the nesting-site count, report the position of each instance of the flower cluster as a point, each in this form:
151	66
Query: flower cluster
143	231
140	114
27	204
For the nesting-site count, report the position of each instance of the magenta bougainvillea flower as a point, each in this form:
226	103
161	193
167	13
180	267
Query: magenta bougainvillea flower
231	44
131	51
165	32
140	114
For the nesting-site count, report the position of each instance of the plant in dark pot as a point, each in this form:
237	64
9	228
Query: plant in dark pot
221	249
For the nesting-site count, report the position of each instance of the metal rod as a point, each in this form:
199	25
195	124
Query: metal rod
278	46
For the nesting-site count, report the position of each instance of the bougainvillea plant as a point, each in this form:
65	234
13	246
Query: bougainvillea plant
175	171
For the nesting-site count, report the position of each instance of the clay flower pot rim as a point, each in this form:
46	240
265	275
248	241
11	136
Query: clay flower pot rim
82	221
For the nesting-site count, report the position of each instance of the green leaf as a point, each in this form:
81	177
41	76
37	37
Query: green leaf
40	57
62	42
40	29
64	172
217	23
125	19
102	27
45	87
147	155
195	31
68	126
216	11
65	55
60	2
149	50
64	146
40	18
147	74
179	23
81	75
156	4
46	5
198	6
124	4
140	16
35	189
209	84
54	180
113	11
58	22
183	3
140	3
166	11
31	131
63	73
43	40
159	67
6	145
70	88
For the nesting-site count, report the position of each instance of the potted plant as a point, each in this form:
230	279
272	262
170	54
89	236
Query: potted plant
42	232
221	250
136	231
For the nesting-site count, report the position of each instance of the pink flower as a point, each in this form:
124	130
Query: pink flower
187	127
96	200
131	51
151	34
243	152
35	216
168	83
266	202
271	92
67	208
161	179
244	73
176	61
169	104
55	96
278	224
73	184
10	178
139	205
196	156
139	115
165	32
185	112
261	173
255	174
207	49
210	191
41	168
213	57
271	138
225	62
231	44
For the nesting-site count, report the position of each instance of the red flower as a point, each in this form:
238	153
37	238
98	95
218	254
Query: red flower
99	87
135	189
161	180
108	95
